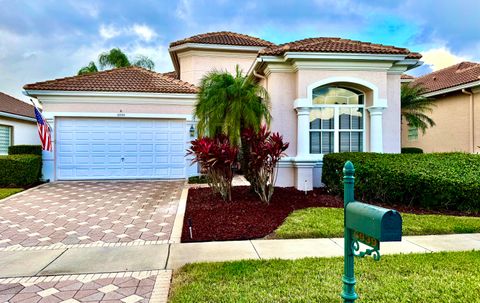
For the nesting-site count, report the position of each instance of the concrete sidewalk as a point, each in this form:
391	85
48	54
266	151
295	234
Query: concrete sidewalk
172	256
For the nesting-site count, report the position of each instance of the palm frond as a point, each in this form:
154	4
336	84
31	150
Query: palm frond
414	105
228	103
90	68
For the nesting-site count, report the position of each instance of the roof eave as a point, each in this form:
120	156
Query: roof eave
41	93
223	47
15	116
453	89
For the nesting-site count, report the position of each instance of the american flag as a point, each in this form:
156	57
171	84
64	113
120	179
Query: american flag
43	131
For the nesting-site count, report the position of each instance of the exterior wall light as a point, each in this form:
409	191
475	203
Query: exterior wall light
192	131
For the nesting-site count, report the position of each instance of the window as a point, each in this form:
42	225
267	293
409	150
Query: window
5	139
336	120
412	133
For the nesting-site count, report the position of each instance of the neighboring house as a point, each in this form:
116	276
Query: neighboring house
327	94
456	90
17	123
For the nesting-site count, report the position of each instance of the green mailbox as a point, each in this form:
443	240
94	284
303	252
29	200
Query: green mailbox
380	223
367	224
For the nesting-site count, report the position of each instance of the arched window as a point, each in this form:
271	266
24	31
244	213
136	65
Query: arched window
336	120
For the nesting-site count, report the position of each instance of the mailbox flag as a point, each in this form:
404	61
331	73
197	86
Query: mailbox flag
43	131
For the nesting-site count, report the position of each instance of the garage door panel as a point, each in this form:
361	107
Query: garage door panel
176	137
82	135
114	148
93	148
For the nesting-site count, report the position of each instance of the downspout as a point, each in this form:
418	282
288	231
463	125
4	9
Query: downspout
261	77
471	121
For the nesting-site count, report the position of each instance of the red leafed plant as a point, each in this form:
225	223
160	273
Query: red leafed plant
265	150
217	157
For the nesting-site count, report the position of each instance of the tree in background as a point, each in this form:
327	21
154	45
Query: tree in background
414	105
115	58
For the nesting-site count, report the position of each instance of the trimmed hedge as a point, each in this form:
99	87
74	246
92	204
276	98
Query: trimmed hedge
412	150
25	150
449	181
20	170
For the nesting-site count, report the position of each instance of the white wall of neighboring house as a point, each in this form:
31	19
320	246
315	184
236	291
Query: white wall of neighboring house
23	132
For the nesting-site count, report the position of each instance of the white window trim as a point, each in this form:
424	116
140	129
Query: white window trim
10	128
336	127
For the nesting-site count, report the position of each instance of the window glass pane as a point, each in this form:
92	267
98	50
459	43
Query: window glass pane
315	142
5	134
356	142
336	95
344	118
327	142
322	118
321	142
357	118
344	145
412	133
351	118
350	141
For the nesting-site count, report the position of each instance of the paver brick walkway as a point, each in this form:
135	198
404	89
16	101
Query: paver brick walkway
92	213
127	287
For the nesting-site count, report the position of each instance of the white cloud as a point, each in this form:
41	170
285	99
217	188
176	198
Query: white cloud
144	32
184	12
438	58
158	53
109	31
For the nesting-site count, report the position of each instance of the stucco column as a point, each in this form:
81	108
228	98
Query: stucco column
303	125
376	129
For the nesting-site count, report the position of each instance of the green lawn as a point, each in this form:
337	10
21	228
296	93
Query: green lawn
436	277
5	192
328	222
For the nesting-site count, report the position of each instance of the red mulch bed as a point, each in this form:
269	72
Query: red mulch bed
247	218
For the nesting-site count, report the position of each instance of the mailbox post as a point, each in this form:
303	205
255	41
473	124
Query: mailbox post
367	224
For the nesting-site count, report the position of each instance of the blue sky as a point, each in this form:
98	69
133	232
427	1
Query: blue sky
46	39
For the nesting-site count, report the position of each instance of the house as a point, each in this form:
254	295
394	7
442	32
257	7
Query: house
17	123
327	94
456	90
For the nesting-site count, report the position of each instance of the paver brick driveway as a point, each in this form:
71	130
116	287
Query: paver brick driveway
97	213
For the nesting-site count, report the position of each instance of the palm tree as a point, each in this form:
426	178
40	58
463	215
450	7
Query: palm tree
228	103
115	58
414	105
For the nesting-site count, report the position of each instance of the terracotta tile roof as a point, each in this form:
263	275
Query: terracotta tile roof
172	74
458	74
11	105
336	45
126	79
407	77
224	38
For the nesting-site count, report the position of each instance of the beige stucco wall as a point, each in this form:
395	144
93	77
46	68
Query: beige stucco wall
452	130
24	132
118	108
282	91
194	64
392	116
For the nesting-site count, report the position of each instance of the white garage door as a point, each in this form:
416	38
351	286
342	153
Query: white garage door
120	148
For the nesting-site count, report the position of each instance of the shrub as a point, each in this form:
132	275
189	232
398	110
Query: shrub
217	158
412	150
25	150
202	179
20	170
448	181
265	149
